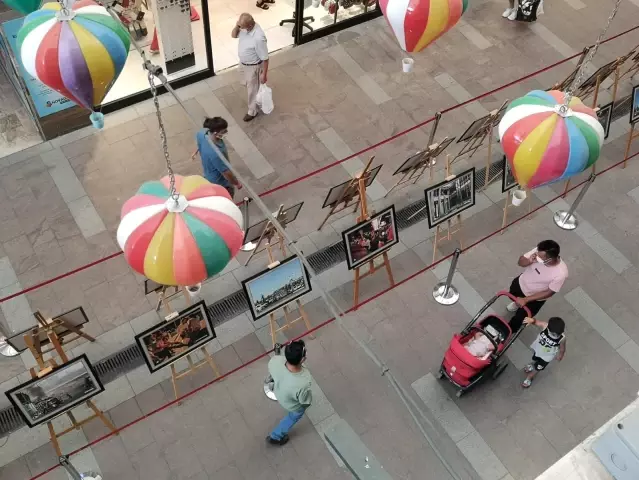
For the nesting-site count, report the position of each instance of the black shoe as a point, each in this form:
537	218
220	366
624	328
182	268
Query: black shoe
248	118
279	443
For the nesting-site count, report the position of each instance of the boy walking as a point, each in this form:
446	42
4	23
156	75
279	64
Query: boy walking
549	344
292	388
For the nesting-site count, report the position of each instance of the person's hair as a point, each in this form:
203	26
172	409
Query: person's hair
550	247
215	124
556	325
295	352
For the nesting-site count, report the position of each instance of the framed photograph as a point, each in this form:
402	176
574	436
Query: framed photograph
336	192
75	318
42	399
275	287
151	287
508	181
415	160
254	232
634	109
477	125
604	114
370	238
602	72
450	197
166	342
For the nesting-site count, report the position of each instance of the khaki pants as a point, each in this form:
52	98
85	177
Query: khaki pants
252	78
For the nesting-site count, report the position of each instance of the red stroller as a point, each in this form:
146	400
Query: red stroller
462	368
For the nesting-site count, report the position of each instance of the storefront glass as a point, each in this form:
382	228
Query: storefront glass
328	16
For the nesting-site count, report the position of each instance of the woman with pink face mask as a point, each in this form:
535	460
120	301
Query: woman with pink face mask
544	275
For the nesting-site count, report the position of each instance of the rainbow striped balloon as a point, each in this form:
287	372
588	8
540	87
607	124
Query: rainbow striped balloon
544	146
418	23
180	243
79	56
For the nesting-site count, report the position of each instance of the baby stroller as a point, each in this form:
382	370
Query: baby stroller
462	368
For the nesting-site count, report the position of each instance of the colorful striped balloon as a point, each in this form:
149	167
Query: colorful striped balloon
79	55
418	23
543	145
183	243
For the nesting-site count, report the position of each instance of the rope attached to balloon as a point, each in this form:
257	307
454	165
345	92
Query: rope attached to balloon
563	109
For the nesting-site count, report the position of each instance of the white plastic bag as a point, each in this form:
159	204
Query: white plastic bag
540	8
264	99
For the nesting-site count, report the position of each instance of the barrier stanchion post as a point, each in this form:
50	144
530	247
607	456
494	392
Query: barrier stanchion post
445	293
566	220
249	246
73	472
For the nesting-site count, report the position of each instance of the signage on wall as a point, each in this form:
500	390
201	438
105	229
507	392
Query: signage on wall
45	100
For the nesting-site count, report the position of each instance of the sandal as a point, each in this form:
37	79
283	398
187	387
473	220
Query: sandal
529	368
526	383
262	5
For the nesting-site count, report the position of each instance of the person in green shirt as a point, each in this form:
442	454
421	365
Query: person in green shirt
292	388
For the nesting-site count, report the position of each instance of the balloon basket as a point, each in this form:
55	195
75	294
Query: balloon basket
194	290
518	197
97	120
407	65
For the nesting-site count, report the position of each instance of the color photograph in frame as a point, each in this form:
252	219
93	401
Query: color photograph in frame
168	341
275	287
370	238
450	197
604	114
634	109
336	192
508	181
42	399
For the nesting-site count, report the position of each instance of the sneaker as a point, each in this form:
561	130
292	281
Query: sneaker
512	307
513	15
248	118
507	12
526	383
529	368
279	442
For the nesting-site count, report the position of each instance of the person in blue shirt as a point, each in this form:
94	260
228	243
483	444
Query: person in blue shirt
215	171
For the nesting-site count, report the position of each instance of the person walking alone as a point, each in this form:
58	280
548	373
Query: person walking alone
214	169
544	275
253	54
292	388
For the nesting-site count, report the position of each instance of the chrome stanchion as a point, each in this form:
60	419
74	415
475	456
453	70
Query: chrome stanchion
566	220
269	383
7	350
250	246
73	472
445	293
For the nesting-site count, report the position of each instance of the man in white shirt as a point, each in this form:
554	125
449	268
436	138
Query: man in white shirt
253	54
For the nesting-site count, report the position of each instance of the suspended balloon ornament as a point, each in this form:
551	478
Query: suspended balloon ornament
418	23
543	143
78	51
23	6
552	136
180	239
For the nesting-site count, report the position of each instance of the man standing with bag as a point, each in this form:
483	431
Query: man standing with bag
253	54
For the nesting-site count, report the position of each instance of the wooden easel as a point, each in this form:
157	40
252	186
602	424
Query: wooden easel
448	234
426	161
485	130
288	322
268	234
632	135
32	340
633	56
353	194
193	366
567	82
509	195
593	85
164	298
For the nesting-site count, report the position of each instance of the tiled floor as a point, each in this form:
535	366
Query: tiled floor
334	97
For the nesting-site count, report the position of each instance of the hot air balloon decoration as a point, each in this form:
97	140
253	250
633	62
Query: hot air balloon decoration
418	23
546	141
180	239
78	51
23	6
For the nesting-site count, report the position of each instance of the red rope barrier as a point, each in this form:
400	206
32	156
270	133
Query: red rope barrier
339	162
331	320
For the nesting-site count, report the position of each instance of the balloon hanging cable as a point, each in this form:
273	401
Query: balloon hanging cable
563	110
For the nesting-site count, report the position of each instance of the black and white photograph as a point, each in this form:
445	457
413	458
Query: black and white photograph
450	197
254	232
604	114
415	160
370	238
42	399
337	192
508	181
275	287
634	110
169	341
74	318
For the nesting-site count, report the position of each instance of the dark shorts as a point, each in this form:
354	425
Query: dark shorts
538	363
231	190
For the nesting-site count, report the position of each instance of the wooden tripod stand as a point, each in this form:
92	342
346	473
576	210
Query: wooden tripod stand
288	321
268	234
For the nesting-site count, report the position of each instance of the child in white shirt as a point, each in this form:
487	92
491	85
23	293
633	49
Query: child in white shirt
549	344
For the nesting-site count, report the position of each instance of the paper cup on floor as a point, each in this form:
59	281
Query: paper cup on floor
407	65
518	197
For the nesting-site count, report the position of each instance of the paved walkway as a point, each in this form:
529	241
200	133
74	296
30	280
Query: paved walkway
343	93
